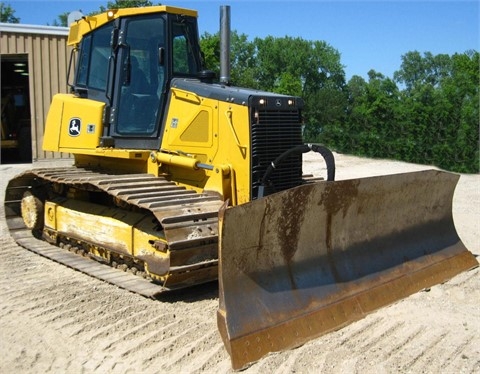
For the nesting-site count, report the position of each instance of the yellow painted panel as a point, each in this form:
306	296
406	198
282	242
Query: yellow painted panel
53	124
234	147
112	228
198	130
190	123
74	122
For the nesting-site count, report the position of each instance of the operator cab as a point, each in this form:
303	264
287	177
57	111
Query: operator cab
128	64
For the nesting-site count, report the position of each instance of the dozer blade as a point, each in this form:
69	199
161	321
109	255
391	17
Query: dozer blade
309	260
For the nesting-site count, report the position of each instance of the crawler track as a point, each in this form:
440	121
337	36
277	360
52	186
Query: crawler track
187	222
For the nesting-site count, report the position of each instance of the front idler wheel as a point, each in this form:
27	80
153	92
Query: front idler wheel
32	211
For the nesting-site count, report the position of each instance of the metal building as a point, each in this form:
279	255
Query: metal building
34	64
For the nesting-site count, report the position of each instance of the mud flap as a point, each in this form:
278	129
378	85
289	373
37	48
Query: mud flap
306	261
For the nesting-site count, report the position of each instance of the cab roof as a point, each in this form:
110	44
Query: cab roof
88	23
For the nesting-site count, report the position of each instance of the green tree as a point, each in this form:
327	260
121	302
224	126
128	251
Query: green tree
288	84
461	90
243	61
62	20
210	46
310	69
314	63
440	109
7	13
242	57
432	118
293	66
427	69
371	125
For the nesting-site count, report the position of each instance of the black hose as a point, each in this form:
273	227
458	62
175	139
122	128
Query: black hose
328	157
304	148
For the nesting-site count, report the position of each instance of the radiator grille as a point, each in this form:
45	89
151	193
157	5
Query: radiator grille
274	132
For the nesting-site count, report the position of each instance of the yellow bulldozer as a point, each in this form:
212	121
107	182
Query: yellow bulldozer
179	180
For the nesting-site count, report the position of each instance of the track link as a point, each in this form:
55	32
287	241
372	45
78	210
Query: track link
188	221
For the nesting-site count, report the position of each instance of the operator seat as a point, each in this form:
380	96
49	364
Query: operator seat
139	103
138	80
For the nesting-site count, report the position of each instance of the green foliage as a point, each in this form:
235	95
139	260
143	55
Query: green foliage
427	113
292	66
434	119
210	46
62	20
7	13
242	57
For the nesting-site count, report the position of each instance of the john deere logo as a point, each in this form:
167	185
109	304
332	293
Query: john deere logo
74	127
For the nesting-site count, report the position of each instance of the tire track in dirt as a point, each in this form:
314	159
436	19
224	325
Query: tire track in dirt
203	358
460	350
110	321
386	341
191	344
100	317
339	351
147	345
115	332
427	348
375	341
375	336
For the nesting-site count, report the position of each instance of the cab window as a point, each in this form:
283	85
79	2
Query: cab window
185	61
95	52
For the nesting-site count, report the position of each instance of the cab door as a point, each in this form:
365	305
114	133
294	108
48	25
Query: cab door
140	84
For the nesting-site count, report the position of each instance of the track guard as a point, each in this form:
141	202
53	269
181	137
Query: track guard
306	261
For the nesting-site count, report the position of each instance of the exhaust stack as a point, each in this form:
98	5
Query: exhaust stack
225	44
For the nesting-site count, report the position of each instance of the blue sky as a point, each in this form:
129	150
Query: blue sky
368	34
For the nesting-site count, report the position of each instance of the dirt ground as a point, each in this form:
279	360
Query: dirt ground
57	320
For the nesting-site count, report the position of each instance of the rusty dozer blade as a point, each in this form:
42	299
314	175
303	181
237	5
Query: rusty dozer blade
309	260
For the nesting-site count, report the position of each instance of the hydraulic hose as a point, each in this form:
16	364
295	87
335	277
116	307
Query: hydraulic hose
304	148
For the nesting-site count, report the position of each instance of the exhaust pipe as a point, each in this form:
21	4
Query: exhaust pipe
225	44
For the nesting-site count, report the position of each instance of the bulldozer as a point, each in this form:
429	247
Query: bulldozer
179	179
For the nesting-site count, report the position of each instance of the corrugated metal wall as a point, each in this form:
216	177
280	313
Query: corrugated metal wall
48	57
